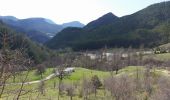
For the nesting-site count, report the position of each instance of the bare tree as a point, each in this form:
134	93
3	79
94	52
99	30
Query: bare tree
60	74
70	89
121	87
12	63
96	83
41	87
41	68
148	82
86	88
117	62
163	89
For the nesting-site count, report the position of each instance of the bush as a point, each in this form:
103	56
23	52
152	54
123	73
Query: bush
96	82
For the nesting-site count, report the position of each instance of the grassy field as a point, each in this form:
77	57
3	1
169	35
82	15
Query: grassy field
82	72
162	57
78	74
52	92
32	76
76	77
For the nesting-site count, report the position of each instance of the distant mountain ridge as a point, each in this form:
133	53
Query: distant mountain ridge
8	18
38	29
73	24
149	27
39	24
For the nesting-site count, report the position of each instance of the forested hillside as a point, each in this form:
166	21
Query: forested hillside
37	52
148	27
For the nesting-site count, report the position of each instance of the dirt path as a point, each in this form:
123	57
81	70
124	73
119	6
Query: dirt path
33	82
165	72
67	70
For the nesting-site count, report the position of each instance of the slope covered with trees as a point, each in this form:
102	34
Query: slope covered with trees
19	41
148	27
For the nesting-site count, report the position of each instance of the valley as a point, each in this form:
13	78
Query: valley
109	57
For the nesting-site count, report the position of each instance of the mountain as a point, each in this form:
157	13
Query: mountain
37	29
73	24
8	18
16	40
39	24
34	35
149	27
50	21
104	20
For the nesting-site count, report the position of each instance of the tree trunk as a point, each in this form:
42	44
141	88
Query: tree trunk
20	91
117	70
3	88
71	97
95	91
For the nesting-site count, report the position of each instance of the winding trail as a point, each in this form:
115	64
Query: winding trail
165	72
33	82
67	70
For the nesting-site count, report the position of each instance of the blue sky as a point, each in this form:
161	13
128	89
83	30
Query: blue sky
62	11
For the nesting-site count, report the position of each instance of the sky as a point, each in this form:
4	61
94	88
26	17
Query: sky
62	11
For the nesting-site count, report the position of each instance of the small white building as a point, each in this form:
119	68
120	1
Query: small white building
92	56
69	70
66	71
109	56
124	55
